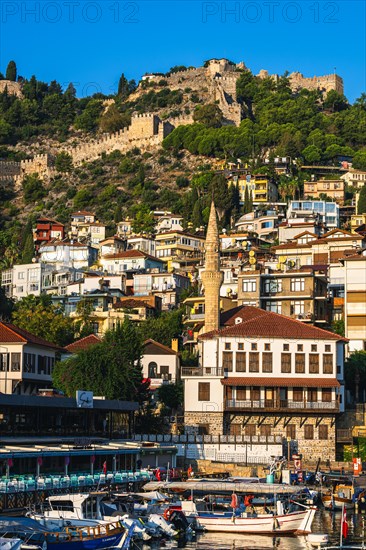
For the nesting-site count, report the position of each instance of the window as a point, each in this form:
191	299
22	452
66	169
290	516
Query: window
300	347
309	432
265	430
272	286
203	429
275	307
312	395
286	347
250	429
164	372
300	363
314	363
291	431
255	393
297	308
267	347
203	391
21	275
15	362
253	361
254	347
286	362
297	285
240	346
314	347
240	362
235	429
298	395
153	370
249	285
4	362
326	395
328	363
323	431
241	393
266	362
327	347
227	360
227	345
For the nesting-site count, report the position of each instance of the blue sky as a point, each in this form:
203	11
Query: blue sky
92	42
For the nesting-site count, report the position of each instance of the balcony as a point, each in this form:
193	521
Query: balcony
283	405
201	371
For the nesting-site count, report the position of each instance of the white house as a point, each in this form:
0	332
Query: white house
168	286
139	242
26	361
160	363
67	253
24	279
268	375
169	222
129	260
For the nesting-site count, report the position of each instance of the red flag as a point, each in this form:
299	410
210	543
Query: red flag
344	525
158	474
105	467
234	501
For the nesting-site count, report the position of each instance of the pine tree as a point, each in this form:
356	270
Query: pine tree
28	250
361	204
246	200
11	71
118	213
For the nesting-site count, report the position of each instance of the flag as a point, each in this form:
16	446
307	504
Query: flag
10	462
344	525
158	474
105	467
39	461
234	501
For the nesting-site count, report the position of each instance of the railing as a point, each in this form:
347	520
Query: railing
188	438
202	371
281	404
344	436
196	316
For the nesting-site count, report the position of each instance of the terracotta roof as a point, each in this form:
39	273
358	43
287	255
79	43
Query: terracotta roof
83	343
353	257
259	323
305	233
281	382
11	334
82	213
49	220
291	245
151	347
229	318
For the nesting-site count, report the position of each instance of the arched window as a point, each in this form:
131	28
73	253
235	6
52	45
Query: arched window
153	370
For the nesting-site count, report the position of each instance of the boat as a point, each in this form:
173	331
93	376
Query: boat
98	537
294	522
338	497
10	544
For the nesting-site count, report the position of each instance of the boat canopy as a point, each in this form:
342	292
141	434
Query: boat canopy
218	486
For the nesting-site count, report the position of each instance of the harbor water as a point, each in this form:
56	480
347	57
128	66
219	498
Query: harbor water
324	522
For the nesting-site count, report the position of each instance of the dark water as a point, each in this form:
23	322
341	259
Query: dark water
324	522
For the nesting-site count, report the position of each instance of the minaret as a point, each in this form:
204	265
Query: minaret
212	277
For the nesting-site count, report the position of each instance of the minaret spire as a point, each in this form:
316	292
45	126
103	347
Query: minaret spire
212	277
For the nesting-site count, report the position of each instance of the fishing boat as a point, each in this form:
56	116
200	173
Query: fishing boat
338	497
294	522
98	537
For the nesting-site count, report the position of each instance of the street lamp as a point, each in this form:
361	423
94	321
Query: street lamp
4	364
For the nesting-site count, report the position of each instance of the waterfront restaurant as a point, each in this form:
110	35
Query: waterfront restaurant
52	434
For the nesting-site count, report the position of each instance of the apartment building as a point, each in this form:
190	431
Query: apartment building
61	254
260	187
178	244
24	279
355	178
129	260
327	213
355	300
315	189
168	286
299	294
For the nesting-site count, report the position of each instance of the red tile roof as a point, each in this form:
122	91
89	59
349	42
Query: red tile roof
83	343
281	382
151	347
133	253
259	323
11	334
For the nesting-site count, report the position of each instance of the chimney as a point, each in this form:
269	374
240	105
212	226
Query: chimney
174	344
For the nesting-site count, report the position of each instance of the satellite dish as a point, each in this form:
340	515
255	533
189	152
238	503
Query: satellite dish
282	259
252	253
291	263
279	266
252	261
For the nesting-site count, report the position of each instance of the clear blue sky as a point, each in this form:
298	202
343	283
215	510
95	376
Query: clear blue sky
92	42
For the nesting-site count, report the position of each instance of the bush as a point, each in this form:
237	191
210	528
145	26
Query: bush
33	188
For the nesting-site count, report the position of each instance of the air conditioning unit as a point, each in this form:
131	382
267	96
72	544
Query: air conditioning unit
173	419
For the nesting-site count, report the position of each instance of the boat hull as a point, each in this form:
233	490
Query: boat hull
337	503
98	543
298	523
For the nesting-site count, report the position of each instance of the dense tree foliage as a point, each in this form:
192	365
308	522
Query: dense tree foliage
111	368
11	71
361	205
40	317
163	328
355	372
209	115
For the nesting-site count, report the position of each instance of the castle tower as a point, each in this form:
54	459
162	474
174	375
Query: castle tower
212	277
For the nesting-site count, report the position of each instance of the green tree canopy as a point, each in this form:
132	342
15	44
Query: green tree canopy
11	71
63	162
111	368
33	188
355	368
40	317
171	395
209	115
359	160
163	328
361	204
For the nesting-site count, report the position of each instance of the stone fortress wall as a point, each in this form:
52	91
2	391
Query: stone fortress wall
217	80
